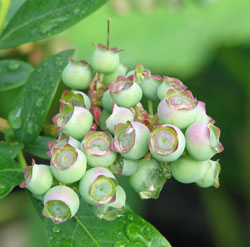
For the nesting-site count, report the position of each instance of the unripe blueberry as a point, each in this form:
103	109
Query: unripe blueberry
73	120
149	179
188	170
137	73
178	108
169	83
211	176
107	101
38	178
124	167
131	140
68	164
119	115
98	186
111	77
77	75
114	209
203	140
76	98
105	60
201	114
97	148
61	203
104	115
150	84
125	92
166	142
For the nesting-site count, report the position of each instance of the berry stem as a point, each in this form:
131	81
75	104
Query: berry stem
137	110
108	33
150	107
21	160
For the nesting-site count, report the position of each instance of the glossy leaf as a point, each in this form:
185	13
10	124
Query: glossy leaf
13	73
41	19
40	147
33	101
85	229
10	149
11	174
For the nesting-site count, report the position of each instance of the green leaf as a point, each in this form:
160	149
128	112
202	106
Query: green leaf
40	147
85	229
33	101
11	174
10	149
40	19
13	73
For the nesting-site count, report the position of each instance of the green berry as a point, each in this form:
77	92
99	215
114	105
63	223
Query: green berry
111	77
107	101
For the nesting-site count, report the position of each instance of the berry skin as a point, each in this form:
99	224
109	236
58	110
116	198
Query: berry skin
109	78
73	121
119	115
201	113
203	140
98	186
105	60
125	92
131	140
166	142
76	98
104	115
77	75
211	176
178	108
188	170
38	178
169	83
150	84
97	148
149	179
114	209
107	101
68	164
61	203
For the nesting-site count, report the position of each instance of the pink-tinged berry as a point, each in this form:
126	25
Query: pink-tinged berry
61	203
166	142
149	179
111	77
201	113
105	60
169	83
107	101
150	85
119	115
98	186
68	164
211	176
203	140
73	121
114	209
178	108
131	140
125	92
77	75
76	98
188	170
97	148
38	178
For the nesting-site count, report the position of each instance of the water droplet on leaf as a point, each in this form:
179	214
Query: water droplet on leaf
4	188
15	118
39	102
76	11
48	25
131	217
13	65
120	243
56	229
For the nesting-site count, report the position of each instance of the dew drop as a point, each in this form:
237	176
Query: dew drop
131	217
39	102
48	25
4	188
15	118
76	11
13	65
120	243
56	229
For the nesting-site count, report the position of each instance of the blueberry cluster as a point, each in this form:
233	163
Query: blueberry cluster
108	133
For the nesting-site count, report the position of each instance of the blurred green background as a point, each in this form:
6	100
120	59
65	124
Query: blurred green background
204	43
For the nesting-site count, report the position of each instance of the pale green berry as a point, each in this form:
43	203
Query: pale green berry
97	148
68	164
119	115
166	142
111	77
105	60
107	101
149	179
98	186
211	176
131	140
203	140
188	170
38	178
77	75
61	203
104	115
201	114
